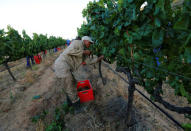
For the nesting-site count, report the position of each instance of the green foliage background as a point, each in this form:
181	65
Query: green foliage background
14	46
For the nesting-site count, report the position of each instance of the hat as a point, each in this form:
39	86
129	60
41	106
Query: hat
87	38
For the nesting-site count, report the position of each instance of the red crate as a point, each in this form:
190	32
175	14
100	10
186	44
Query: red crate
37	59
83	63
87	94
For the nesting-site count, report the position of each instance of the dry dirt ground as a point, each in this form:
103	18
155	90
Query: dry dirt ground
105	113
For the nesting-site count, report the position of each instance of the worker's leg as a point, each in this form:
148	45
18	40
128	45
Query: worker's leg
70	87
67	82
59	89
66	87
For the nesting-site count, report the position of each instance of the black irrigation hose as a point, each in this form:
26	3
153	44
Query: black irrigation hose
168	115
100	73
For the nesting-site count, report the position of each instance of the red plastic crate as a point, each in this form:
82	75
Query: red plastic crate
85	95
58	49
37	59
83	63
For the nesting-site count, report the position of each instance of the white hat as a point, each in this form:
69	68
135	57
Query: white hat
87	38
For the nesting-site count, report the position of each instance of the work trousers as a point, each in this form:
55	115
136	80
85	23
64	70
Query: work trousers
67	86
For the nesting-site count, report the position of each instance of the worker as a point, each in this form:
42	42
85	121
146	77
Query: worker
68	62
68	42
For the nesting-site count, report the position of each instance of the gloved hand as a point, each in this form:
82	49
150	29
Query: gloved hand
87	52
100	58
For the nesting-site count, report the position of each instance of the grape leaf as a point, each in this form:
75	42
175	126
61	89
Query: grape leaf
157	38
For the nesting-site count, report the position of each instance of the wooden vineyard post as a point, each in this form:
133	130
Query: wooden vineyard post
7	67
131	90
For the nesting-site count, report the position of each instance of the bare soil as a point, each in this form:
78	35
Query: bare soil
105	113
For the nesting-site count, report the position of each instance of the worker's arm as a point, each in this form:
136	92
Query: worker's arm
100	58
75	50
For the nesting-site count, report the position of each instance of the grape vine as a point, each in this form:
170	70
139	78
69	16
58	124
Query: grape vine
13	46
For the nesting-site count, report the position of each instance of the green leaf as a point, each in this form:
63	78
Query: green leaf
35	118
188	40
157	38
117	30
157	10
104	51
149	75
187	127
154	1
134	14
157	22
187	116
127	23
112	50
65	107
120	2
188	97
93	27
71	110
101	3
177	90
136	56
182	23
130	1
183	91
187	55
161	4
129	38
146	30
122	52
102	35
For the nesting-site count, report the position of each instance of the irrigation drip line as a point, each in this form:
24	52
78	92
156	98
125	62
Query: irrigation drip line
168	115
164	112
116	73
160	69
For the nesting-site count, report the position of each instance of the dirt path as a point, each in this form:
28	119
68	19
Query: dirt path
17	105
19	116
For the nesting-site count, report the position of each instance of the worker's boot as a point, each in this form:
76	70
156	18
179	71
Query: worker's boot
69	102
77	107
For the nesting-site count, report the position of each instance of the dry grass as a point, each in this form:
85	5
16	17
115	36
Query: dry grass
29	77
40	126
35	67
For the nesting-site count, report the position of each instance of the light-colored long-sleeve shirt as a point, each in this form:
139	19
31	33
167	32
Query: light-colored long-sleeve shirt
71	59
